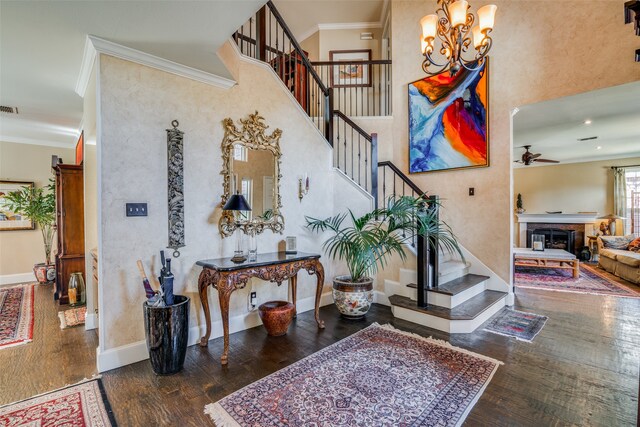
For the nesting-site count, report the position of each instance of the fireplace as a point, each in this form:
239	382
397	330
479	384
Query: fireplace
555	238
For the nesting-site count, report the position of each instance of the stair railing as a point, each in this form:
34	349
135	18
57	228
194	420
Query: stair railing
267	37
367	93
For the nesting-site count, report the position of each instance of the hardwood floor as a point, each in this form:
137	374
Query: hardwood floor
582	369
53	359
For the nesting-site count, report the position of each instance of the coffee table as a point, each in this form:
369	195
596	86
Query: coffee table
549	258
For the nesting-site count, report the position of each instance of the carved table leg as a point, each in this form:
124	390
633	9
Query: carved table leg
203	285
319	270
294	291
225	288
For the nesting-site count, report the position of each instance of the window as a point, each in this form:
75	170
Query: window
247	191
632	223
240	153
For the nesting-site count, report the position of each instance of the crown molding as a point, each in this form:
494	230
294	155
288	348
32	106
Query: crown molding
36	141
86	67
123	52
349	25
311	31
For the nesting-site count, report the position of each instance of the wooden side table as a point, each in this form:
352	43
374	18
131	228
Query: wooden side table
593	247
226	277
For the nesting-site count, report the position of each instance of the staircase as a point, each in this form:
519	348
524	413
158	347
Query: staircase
632	14
441	293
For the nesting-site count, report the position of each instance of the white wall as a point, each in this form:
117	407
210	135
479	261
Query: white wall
137	104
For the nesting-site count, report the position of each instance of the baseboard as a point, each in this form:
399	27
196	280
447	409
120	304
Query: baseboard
381	298
10	279
137	351
90	322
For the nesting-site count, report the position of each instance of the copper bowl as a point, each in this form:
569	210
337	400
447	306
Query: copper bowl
276	316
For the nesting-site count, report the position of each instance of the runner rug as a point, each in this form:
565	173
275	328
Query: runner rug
517	324
16	315
73	317
378	376
80	405
590	281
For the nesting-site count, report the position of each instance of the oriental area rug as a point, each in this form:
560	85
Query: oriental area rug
378	376
80	405
590	281
73	317
16	315
517	324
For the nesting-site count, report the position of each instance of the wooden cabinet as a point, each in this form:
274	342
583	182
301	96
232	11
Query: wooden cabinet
294	73
70	223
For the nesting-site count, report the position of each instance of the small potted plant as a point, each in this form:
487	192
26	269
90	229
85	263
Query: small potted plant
519	208
369	241
38	204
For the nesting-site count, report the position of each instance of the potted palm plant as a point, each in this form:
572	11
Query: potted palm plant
38	204
368	243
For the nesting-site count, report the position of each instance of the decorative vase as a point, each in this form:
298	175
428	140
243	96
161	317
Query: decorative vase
45	273
353	299
276	316
77	291
520	210
167	332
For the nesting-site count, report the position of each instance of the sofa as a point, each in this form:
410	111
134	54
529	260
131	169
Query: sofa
623	263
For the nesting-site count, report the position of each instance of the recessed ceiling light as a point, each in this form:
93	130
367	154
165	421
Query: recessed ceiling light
599	147
587	122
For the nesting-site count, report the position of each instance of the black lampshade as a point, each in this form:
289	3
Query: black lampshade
237	202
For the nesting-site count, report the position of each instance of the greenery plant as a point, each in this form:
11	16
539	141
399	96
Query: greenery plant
39	205
369	242
519	201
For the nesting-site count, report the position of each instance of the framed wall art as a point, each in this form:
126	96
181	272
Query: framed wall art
449	121
10	220
351	74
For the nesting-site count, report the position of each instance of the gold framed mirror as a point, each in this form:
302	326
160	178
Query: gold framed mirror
251	167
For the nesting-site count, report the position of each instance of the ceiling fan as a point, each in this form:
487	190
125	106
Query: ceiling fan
529	157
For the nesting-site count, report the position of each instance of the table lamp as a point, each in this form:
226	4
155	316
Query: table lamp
612	222
237	202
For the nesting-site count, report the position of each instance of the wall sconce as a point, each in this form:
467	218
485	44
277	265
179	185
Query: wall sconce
303	186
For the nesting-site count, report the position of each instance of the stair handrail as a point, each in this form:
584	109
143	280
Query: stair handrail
297	48
402	176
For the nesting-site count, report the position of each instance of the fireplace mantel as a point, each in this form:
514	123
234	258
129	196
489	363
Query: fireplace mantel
588	219
568	218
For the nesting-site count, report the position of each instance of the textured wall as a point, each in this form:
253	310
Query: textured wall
21	249
542	50
138	104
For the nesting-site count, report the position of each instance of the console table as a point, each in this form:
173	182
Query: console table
227	277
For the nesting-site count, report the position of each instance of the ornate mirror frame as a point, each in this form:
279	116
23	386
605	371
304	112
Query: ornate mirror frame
252	136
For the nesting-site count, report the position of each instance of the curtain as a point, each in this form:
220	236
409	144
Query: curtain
620	195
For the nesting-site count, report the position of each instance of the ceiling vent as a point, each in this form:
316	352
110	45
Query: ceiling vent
8	110
591	138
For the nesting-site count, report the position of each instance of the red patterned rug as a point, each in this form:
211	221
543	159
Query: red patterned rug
591	281
16	315
73	317
379	376
80	405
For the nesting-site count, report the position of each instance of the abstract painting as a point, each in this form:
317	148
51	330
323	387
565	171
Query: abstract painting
449	121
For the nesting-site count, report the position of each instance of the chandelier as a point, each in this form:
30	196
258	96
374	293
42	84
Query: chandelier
452	24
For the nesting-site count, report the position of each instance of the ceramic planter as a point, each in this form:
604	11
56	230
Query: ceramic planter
276	316
44	273
352	299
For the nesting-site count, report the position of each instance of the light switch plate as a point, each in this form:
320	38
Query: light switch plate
136	209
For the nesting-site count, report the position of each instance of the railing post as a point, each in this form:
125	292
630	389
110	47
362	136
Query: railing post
261	34
328	116
374	169
428	250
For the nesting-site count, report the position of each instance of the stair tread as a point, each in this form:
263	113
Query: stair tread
456	286
468	310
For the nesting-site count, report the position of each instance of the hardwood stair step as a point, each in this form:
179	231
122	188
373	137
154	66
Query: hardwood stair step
468	310
456	286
